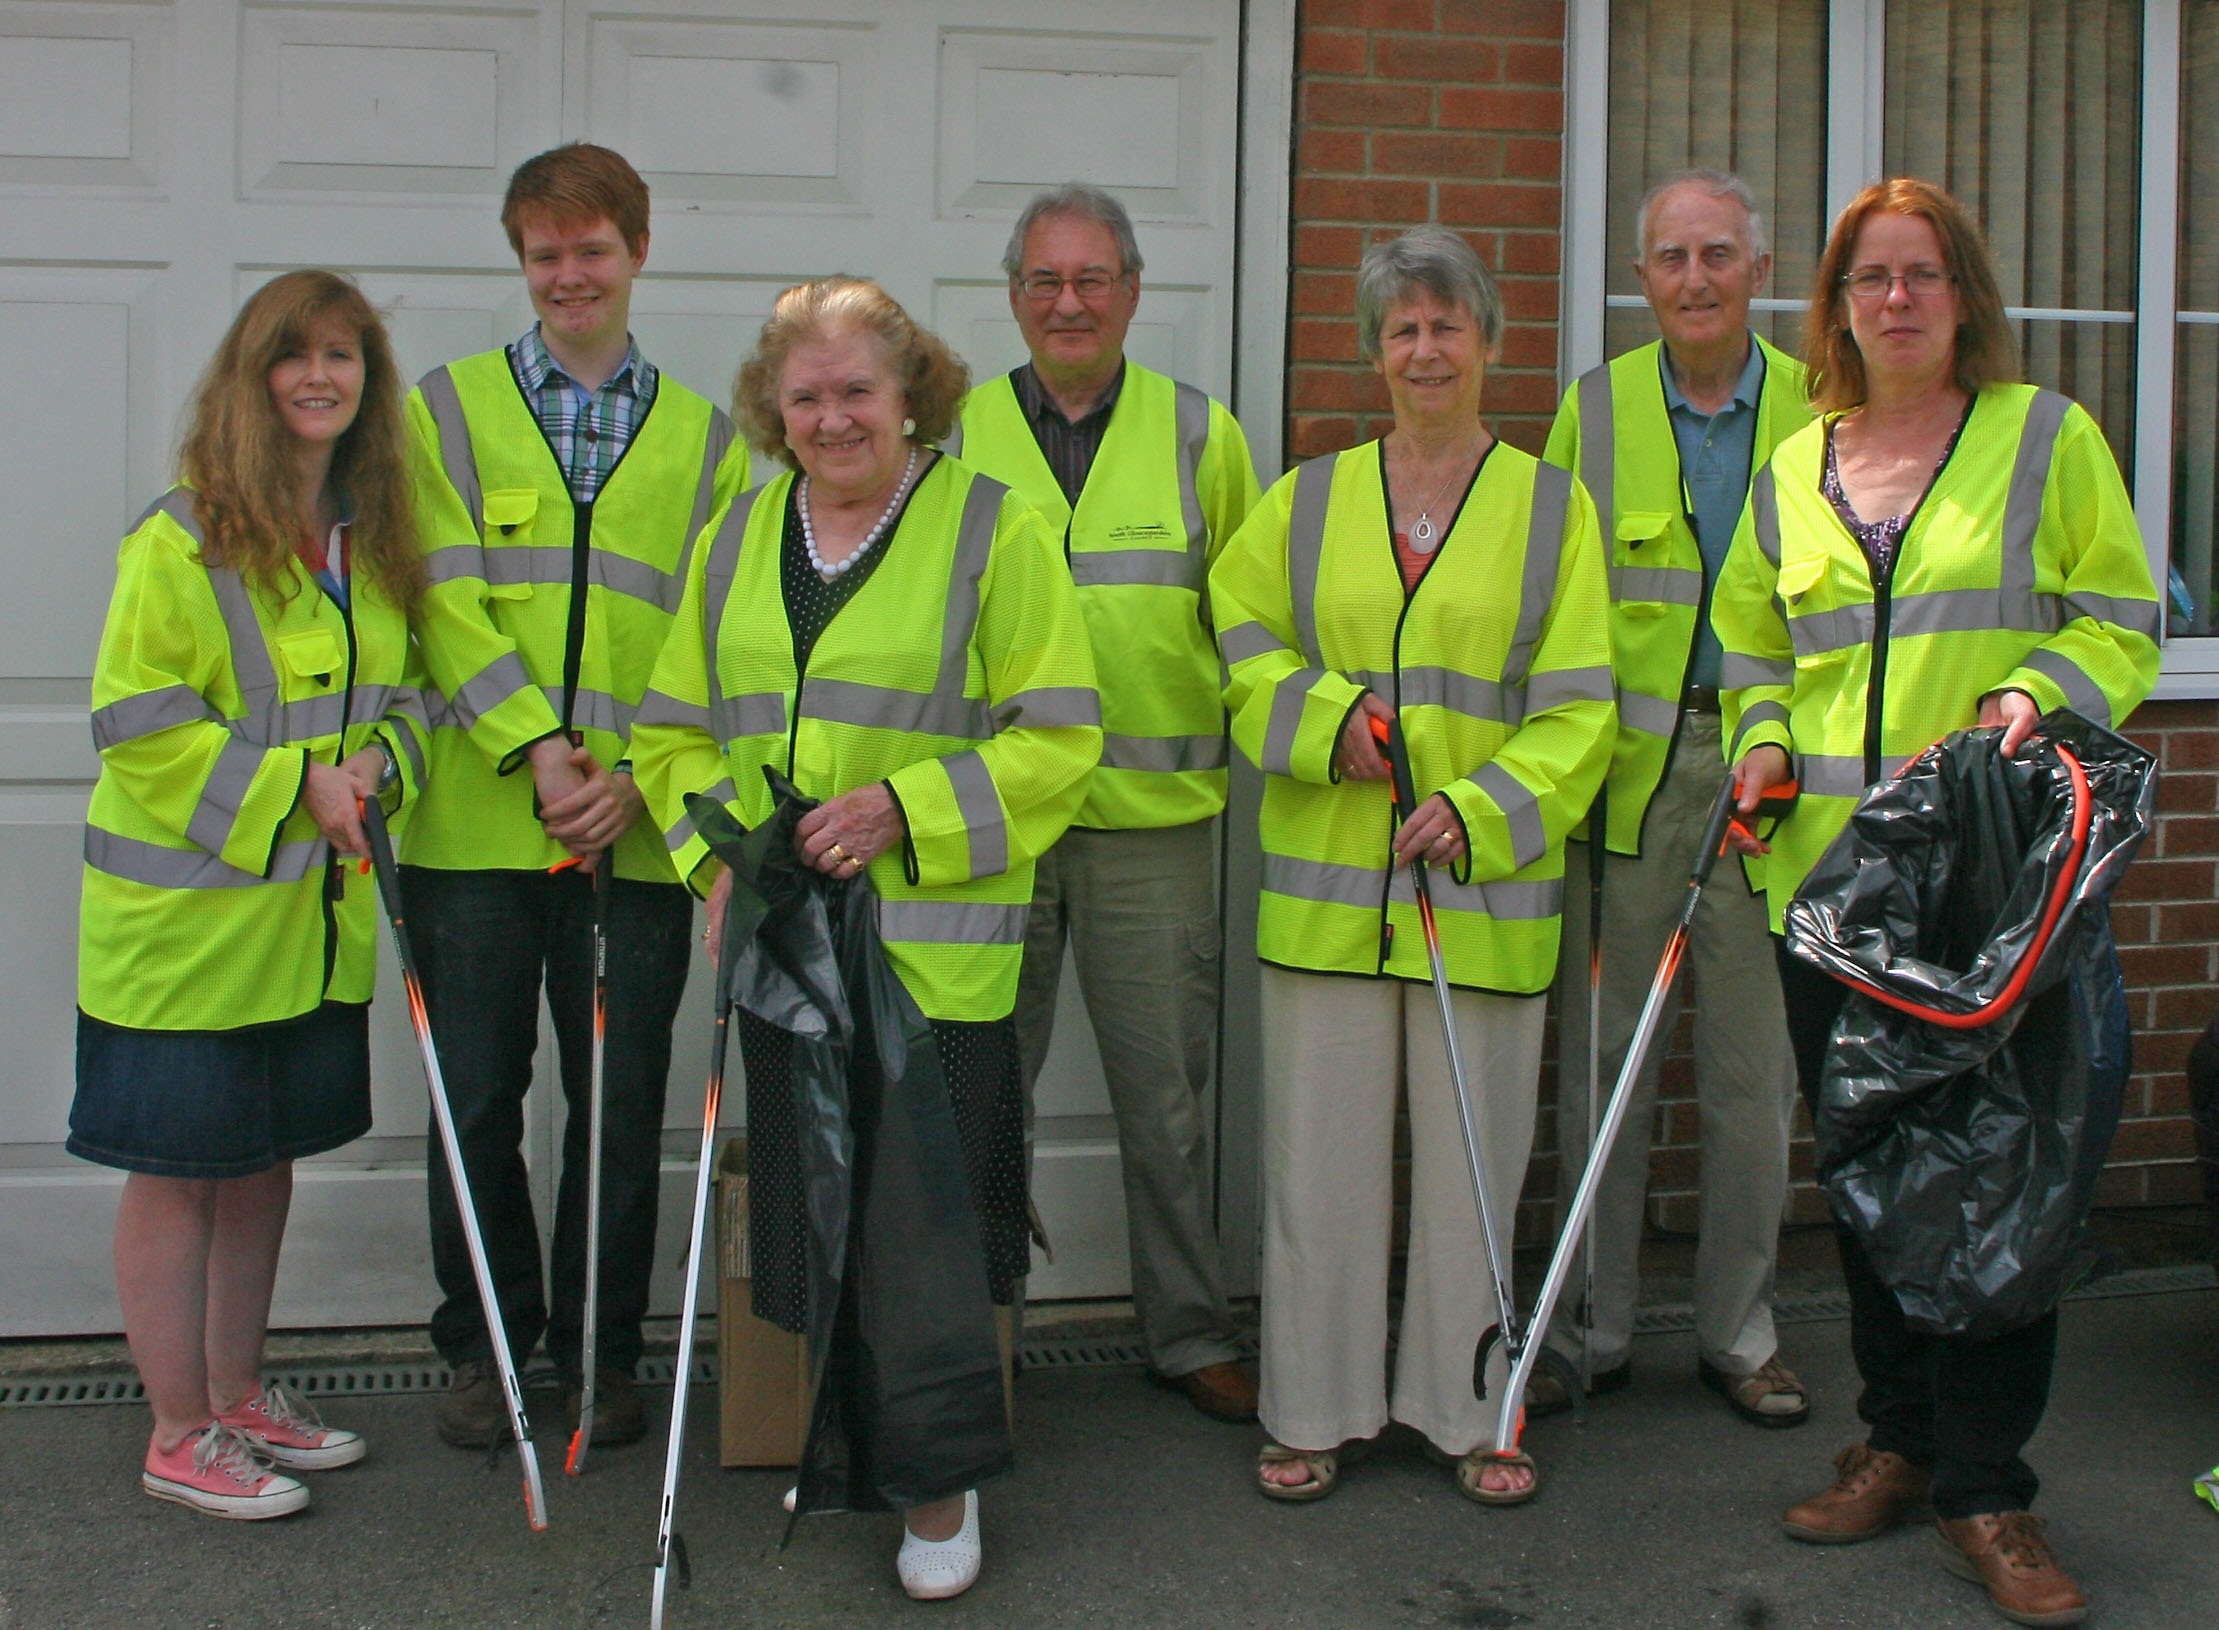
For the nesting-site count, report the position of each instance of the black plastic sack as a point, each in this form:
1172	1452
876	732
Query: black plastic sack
1974	1077
907	1384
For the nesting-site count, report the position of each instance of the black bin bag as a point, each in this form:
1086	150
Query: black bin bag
1975	1075
907	1402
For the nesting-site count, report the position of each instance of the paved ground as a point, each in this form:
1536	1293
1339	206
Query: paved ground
1130	1510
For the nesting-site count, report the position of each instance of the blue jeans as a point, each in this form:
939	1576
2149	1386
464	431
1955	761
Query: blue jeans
484	942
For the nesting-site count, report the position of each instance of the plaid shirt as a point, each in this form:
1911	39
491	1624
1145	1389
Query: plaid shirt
1069	445
589	430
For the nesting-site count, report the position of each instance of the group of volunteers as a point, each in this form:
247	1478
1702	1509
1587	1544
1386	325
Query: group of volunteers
1004	637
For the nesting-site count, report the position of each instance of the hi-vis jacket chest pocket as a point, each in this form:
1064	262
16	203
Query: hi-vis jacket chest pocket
1645	581
1640	538
313	653
509	517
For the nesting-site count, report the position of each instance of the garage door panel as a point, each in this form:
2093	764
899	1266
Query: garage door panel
40	858
398	103
82	89
699	329
434	315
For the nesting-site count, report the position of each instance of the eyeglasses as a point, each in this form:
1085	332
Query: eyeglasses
1873	282
1046	285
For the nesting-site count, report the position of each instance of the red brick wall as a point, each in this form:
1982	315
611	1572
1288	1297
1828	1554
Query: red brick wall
1410	111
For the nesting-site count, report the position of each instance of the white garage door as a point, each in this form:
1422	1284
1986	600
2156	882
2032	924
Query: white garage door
159	161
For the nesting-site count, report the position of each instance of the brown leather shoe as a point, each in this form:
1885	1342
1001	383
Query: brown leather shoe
1221	1391
1872	1491
2008	1552
474	1415
617	1416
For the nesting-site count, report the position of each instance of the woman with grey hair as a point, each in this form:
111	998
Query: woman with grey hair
1441	581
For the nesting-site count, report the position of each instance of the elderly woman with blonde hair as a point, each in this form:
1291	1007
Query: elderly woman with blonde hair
899	637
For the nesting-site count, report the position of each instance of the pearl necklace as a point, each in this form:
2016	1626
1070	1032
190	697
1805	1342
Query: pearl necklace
809	532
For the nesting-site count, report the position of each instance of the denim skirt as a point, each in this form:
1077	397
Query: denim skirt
221	1103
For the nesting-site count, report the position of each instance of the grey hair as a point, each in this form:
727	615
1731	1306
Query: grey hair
1715	184
1077	199
1430	258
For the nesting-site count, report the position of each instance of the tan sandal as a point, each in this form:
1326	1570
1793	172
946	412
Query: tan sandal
1324	1465
1770	1395
1471	1467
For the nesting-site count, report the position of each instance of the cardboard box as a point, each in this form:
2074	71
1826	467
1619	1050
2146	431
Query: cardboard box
762	1372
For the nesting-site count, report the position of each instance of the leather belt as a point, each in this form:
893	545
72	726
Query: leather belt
1699	699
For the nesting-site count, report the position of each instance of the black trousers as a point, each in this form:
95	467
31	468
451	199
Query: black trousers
485	942
1964	1409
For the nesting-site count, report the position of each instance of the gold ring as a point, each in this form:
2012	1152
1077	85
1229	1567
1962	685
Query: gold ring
839	853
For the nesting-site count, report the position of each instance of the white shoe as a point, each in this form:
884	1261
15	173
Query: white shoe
934	1570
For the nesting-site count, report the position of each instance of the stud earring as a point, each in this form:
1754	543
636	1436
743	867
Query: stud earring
909	427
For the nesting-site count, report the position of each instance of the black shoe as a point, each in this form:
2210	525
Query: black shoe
474	1415
618	1418
1545	1394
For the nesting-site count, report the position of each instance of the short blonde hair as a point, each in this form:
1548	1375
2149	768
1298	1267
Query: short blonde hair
933	379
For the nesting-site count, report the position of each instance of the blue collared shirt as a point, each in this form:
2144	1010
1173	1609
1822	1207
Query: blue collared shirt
1715	450
588	430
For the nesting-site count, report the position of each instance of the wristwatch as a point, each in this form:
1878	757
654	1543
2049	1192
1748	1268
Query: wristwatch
392	771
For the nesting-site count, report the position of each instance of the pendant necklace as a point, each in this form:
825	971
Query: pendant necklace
1425	537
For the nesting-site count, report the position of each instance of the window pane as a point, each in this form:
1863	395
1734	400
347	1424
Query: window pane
2030	112
2196	379
1734	85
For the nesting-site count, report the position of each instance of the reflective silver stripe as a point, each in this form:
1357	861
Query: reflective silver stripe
1191	413
453	562
593	710
1504	901
1156	568
1552	497
456	455
1169	754
682	832
1740	672
1650	714
981	807
414	706
1764	514
759	713
250	659
1313	492
2135	616
224	794
719	443
723	563
161	867
1324	881
1049	707
1560	685
1529	838
952	922
1459	692
2022	504
882	707
487	689
1246	640
1663	585
131	717
2084	694
1818	632
1831	775
662	708
1280	730
1974	611
974	546
177	504
1763	713
1598	446
548	566
314	716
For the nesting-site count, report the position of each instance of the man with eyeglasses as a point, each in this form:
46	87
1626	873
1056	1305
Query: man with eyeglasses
1666	438
1145	478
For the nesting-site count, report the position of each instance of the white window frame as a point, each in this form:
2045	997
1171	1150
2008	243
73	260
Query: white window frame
1855	69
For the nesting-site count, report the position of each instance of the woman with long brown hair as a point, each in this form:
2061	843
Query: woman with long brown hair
255	683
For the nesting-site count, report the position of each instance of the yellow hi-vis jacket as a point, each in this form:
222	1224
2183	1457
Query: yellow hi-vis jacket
1172	481
1614	432
211	900
504	545
1499	669
2022	569
959	675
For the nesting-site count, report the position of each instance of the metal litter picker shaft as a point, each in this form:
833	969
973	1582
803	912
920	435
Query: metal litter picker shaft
450	1141
1778	801
581	1440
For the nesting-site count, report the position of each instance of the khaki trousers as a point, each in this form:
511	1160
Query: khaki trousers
1338	1052
1744	1071
1139	908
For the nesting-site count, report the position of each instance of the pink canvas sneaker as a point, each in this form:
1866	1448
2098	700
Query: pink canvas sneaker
216	1471
285	1430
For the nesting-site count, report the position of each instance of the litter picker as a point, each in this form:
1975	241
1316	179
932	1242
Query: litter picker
1508	1330
419	1018
582	1439
1597	820
670	1547
1510	1421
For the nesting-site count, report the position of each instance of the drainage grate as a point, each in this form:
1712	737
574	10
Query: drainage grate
1047	1353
